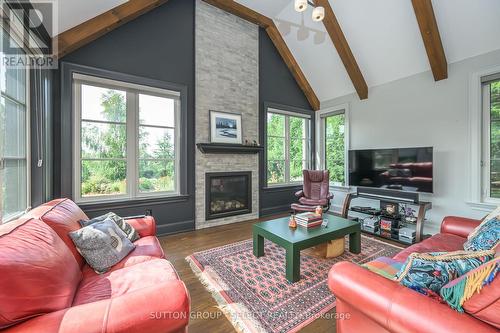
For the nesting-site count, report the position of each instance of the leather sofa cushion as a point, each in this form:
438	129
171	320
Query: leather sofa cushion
62	215
37	272
313	202
163	308
436	243
125	280
146	248
485	305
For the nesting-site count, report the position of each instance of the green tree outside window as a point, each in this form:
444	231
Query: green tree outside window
288	149
334	126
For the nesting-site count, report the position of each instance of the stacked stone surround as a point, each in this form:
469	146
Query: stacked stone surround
227	79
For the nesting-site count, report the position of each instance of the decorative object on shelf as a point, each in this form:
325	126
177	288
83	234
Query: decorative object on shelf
292	223
318	13
390	209
253	143
225	127
409	215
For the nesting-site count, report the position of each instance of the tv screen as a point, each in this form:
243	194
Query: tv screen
405	169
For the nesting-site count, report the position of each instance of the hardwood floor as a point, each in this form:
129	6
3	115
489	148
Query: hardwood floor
177	247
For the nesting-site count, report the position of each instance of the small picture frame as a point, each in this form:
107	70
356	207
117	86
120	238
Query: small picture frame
225	127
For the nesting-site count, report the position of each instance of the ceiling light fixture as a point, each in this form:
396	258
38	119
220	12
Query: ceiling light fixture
318	13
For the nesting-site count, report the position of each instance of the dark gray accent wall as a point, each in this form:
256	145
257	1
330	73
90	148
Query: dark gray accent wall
156	46
277	88
160	46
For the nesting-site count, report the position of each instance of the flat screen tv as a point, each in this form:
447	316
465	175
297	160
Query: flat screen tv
405	169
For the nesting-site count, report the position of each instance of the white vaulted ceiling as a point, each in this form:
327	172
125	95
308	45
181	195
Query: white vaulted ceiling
383	36
73	12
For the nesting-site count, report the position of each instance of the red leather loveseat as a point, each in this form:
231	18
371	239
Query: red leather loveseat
46	286
368	302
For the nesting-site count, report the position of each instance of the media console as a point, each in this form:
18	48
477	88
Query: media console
387	221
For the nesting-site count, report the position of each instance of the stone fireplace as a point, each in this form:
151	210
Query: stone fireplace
228	194
227	79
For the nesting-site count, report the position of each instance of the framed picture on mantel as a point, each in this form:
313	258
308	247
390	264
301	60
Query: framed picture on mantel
225	127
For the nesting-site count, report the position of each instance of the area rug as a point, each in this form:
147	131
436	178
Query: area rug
256	297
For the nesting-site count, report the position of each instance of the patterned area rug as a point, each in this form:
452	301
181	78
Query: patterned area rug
254	294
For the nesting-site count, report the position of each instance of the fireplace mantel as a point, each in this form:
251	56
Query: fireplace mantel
226	148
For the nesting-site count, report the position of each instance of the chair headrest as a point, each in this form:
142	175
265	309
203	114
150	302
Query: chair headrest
316	176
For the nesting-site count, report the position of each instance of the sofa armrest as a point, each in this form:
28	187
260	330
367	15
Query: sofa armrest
459	226
158	309
395	307
299	194
145	226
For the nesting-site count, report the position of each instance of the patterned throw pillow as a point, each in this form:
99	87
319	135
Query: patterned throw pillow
485	236
493	214
458	291
427	273
103	244
120	222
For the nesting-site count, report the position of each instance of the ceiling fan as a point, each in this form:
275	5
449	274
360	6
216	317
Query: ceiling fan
318	13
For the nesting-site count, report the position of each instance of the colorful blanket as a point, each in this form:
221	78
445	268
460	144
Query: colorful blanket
387	267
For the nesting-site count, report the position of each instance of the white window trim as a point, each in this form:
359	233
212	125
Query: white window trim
308	139
475	172
14	34
132	124
320	140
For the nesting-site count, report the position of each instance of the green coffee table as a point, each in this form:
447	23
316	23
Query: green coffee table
299	239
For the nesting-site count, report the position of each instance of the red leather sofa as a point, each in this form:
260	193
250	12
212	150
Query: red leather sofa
368	302
46	286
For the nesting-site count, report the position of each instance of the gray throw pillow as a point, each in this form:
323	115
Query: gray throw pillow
120	222
103	244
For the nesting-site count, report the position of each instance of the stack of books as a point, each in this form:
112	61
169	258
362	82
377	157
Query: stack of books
309	219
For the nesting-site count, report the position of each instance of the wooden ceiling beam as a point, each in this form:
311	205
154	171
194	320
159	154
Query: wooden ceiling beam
76	37
265	22
431	37
340	42
241	11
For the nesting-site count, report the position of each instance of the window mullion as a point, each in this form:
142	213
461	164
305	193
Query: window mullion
287	149
305	145
486	159
77	142
132	143
324	142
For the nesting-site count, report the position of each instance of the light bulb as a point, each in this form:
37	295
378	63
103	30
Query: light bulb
318	14
300	5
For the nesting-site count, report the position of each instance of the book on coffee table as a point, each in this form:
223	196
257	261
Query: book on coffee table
308	217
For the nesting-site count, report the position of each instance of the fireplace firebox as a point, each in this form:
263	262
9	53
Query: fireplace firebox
228	194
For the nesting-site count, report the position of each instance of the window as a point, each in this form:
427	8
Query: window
288	147
491	137
14	134
332	144
126	140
